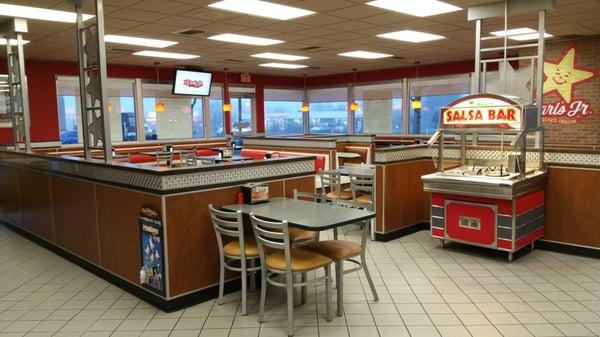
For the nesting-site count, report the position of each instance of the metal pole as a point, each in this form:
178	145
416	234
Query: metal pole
11	93
24	92
80	30
478	55
540	83
106	141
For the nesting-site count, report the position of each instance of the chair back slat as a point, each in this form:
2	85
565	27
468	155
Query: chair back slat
164	157
274	235
307	195
331	179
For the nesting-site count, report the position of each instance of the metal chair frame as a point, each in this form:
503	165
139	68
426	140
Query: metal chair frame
339	265
188	158
363	183
166	157
231	224
276	236
331	179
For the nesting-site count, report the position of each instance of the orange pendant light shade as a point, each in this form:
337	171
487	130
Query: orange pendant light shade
227	107
305	107
160	107
354	106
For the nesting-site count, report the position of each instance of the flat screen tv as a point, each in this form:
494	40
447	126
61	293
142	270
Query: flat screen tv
192	83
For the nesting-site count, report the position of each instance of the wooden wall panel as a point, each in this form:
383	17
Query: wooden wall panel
572	212
192	246
119	230
304	184
75	223
405	201
379	197
36	203
10	206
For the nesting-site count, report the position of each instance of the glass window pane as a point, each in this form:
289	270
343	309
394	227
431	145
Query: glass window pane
241	114
434	94
121	109
215	105
328	110
380	108
282	112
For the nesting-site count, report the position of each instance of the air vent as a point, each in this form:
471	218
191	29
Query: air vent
310	48
234	61
121	51
189	32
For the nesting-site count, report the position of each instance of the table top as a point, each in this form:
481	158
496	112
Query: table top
347	170
348	155
232	158
304	214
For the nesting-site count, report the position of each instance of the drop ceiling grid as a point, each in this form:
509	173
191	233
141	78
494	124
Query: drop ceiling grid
338	26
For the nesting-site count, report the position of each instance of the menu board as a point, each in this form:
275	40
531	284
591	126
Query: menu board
152	272
482	110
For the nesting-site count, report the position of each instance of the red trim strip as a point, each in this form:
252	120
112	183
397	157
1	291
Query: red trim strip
437	232
529	238
530	201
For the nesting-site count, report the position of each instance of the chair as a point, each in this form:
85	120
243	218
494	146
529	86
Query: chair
207	160
362	189
332	179
188	158
241	248
285	260
164	158
344	250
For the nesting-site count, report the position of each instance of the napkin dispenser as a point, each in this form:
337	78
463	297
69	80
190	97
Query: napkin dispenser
255	193
227	152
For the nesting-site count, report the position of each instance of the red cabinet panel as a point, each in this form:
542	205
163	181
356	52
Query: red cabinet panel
474	223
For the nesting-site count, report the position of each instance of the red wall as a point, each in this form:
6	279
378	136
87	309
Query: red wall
42	87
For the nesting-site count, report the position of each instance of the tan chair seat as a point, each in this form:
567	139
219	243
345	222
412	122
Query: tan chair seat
298	235
344	195
364	199
335	249
233	248
302	260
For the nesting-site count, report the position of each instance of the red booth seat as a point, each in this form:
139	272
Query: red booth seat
136	158
205	153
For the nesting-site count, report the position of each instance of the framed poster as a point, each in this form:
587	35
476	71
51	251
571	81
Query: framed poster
152	272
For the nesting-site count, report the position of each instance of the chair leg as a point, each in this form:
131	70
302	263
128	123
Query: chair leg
252	275
263	295
328	292
290	303
221	281
363	263
244	286
303	278
339	281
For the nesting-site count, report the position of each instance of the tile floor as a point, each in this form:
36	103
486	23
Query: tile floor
424	291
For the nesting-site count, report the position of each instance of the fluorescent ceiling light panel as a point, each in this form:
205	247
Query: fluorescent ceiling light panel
411	36
419	8
525	37
281	57
36	13
283	65
12	42
138	41
244	39
261	8
166	55
365	54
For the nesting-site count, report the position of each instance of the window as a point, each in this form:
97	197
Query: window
282	112
434	94
241	99
5	119
380	108
168	116
328	110
121	109
215	106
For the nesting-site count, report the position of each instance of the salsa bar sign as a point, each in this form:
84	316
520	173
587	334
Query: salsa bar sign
482	110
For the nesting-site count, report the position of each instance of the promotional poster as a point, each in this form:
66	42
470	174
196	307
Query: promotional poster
152	272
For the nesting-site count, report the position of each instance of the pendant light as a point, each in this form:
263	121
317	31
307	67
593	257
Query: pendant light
416	100
305	107
354	106
226	102
159	106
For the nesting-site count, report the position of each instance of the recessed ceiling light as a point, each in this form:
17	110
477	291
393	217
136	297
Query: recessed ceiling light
261	8
417	8
278	56
162	54
36	13
365	54
283	65
244	39
12	42
520	34
138	41
411	36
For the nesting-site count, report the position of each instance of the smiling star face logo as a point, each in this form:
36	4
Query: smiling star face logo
564	75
